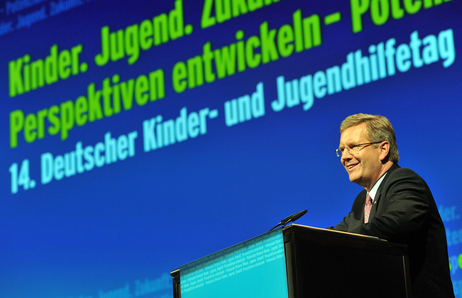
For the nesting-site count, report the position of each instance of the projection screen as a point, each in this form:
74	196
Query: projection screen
142	135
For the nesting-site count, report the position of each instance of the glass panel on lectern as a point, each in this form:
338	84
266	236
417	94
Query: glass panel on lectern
254	268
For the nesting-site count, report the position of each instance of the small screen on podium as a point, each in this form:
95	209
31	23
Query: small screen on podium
254	268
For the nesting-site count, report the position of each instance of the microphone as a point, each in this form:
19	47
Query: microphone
290	218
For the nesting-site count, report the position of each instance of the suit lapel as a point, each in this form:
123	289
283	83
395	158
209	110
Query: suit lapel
378	195
375	205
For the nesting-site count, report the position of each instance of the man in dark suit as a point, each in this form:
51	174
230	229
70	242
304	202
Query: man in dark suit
396	203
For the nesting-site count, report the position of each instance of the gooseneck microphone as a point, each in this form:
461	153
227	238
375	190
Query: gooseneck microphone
290	218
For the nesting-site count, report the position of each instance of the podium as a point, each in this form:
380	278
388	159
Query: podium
297	262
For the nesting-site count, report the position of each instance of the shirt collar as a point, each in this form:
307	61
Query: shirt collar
375	188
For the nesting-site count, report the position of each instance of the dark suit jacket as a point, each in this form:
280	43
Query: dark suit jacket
404	211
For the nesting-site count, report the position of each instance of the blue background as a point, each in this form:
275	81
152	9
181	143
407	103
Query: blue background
140	218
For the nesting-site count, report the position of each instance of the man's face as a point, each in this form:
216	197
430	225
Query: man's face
364	166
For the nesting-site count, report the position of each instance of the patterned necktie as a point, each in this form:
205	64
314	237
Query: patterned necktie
367	208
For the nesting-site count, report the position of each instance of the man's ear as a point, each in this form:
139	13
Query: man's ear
384	150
